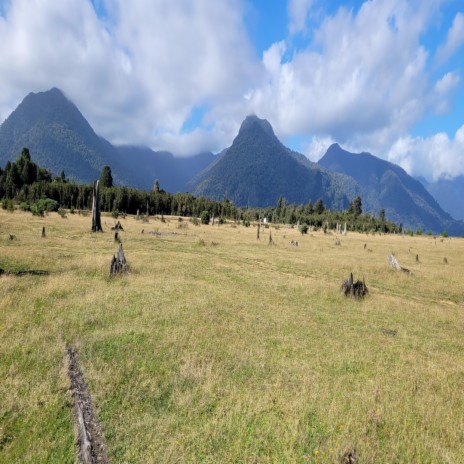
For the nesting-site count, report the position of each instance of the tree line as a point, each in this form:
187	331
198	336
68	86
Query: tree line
26	183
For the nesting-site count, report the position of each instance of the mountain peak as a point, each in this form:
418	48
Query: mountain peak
252	121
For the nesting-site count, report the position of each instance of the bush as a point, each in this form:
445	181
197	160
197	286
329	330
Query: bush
304	229
115	213
24	206
204	217
62	213
445	234
246	223
8	205
44	205
195	221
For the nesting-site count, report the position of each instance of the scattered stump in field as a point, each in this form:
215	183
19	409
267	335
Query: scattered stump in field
11	237
356	289
143	231
390	332
96	220
349	457
90	442
257	234
43	232
117	226
271	242
118	263
116	237
337	242
445	260
394	263
417	259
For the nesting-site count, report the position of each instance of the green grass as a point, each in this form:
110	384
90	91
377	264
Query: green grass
234	352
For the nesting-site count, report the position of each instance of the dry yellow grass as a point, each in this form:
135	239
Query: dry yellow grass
220	348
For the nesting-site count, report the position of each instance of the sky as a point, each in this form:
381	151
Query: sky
382	76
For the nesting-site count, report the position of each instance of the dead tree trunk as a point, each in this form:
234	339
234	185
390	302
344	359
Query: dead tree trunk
259	227
96	221
356	289
270	237
43	232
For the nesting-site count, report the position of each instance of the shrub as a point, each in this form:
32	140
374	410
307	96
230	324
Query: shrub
246	223
445	234
195	221
44	205
304	229
25	206
204	217
115	213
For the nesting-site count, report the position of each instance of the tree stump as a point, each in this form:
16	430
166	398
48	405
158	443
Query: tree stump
353	289
270	237
96	220
43	232
118	263
259	227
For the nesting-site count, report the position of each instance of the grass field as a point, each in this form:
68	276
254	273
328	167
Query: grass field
220	348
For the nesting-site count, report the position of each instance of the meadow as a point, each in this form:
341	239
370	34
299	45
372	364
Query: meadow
217	347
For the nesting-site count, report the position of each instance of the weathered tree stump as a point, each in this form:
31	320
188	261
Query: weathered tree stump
43	232
118	263
259	227
116	237
394	263
96	220
445	260
270	237
117	226
353	289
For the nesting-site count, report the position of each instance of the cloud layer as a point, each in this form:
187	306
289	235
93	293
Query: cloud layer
182	75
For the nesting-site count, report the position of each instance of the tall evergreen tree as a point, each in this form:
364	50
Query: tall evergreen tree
106	178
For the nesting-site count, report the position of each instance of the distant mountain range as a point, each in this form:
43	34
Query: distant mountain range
255	170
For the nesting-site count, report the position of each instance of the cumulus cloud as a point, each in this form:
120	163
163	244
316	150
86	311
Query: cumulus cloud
431	157
135	74
363	74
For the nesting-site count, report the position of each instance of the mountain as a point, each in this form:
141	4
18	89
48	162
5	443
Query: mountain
449	193
173	173
257	169
60	138
386	185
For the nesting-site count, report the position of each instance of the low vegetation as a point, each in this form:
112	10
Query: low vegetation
232	351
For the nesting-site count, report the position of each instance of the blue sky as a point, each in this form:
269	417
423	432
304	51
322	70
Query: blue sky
384	76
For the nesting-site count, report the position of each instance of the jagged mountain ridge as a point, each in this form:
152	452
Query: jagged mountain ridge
257	169
385	185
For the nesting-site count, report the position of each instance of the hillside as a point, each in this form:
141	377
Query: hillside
172	172
449	193
386	185
257	169
60	138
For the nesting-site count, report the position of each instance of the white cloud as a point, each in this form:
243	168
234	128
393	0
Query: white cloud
454	39
432	157
364	76
297	12
136	74
317	147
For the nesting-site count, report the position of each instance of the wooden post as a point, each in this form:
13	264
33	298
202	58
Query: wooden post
96	221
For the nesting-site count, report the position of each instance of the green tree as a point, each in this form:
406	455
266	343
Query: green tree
106	178
319	207
356	207
156	186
